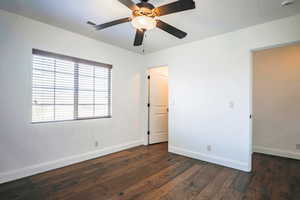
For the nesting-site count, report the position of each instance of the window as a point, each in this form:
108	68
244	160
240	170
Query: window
67	88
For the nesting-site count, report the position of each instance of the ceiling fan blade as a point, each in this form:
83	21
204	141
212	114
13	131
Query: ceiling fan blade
139	36
174	7
129	4
91	23
108	24
170	29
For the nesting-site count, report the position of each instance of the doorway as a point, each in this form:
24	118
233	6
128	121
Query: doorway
276	86
158	105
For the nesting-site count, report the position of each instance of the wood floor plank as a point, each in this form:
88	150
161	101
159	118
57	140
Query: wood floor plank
280	190
261	182
226	187
117	184
191	187
150	172
153	182
294	179
215	185
165	189
104	175
92	172
107	162
242	181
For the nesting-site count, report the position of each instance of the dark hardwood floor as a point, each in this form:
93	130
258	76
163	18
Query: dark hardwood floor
149	173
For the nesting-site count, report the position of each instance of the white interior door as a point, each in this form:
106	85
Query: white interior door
158	100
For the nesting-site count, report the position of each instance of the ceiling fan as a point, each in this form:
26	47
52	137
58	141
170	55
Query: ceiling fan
145	17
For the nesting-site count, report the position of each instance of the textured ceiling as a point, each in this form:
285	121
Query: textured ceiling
210	18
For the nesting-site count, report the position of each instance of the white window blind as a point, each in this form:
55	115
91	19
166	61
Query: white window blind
67	88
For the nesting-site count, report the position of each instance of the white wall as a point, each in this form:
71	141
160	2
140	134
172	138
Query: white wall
276	86
208	76
27	148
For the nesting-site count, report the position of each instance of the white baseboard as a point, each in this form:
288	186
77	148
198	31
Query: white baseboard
277	152
43	167
213	159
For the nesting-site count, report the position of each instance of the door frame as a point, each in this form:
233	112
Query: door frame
147	139
251	52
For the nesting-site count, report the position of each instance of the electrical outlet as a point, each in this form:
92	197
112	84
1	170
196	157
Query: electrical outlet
208	147
298	146
96	143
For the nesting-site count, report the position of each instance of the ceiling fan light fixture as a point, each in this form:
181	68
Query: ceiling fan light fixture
145	16
143	22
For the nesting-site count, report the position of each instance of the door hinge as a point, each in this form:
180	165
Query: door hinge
148	132
148	105
250	116
148	77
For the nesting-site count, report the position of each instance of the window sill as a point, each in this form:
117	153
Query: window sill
73	120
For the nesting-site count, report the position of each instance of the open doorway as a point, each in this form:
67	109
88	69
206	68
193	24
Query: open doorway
276	97
158	103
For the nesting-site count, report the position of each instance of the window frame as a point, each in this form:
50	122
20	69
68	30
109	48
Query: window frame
77	62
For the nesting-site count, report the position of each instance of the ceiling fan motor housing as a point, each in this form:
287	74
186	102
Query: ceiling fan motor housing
145	9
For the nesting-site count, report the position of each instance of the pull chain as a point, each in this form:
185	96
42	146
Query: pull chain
144	43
